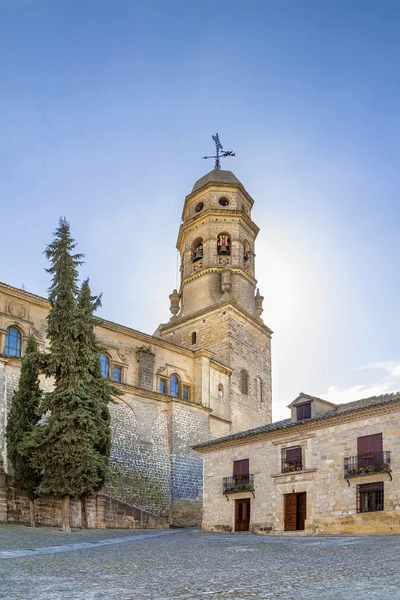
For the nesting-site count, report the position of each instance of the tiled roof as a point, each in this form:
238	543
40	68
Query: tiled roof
338	410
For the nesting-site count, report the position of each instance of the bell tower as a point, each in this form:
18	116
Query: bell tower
217	307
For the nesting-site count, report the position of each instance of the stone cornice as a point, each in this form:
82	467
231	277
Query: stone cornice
210	214
99	322
217	269
151	395
317	424
229	304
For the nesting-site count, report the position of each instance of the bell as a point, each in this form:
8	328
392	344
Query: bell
223	249
198	255
246	256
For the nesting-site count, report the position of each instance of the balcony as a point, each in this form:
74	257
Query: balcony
367	464
238	483
290	466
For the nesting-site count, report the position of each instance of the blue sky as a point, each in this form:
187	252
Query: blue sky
107	107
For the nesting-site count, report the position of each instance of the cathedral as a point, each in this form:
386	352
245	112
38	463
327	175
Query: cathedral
203	375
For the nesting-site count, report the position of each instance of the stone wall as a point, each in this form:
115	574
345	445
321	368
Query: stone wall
331	502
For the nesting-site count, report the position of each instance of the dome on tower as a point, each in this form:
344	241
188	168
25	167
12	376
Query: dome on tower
218	177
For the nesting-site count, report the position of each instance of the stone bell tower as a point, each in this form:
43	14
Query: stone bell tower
217	307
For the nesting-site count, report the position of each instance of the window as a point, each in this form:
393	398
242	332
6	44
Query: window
292	459
223	244
220	390
197	250
370	497
246	250
105	365
194	337
117	374
199	207
303	411
259	389
241	467
223	201
244	381
163	386
12	347
185	392
174	386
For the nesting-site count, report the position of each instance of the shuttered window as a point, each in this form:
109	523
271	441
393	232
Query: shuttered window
303	411
241	467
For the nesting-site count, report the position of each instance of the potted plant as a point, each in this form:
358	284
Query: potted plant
361	470
368	455
385	467
371	469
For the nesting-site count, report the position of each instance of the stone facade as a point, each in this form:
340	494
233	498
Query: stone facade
179	389
327	473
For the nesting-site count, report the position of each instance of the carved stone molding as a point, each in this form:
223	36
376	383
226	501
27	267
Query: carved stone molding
15	309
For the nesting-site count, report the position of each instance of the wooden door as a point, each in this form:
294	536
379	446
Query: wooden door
242	514
301	510
295	511
290	512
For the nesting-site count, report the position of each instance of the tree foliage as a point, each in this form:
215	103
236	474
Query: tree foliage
22	421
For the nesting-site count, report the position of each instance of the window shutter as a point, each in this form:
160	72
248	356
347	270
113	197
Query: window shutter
369	443
241	467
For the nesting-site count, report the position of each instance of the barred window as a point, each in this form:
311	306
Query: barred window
12	347
370	497
292	459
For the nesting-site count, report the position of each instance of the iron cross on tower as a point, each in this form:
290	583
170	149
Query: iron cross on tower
220	152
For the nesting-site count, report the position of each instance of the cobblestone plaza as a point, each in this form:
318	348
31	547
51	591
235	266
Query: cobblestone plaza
45	564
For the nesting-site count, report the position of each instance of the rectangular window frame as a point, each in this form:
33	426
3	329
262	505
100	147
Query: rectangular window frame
294	463
370	497
301	409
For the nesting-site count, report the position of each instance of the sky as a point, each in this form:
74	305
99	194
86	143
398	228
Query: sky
106	108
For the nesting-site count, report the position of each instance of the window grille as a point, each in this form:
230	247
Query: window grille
370	497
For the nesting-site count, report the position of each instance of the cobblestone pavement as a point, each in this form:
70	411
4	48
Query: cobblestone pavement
44	564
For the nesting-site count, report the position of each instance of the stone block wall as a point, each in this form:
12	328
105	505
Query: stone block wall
140	455
145	360
331	502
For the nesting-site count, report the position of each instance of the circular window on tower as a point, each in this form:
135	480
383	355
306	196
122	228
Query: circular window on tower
199	206
223	201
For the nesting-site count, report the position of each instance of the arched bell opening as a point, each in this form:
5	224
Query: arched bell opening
197	250
223	244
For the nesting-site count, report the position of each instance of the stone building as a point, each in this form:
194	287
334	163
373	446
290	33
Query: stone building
204	374
328	469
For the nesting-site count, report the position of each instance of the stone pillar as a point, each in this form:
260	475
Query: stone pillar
145	358
3	496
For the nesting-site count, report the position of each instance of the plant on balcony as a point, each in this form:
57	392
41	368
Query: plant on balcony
350	472
371	469
384	467
361	470
368	455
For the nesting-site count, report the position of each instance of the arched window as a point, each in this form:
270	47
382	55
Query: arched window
259	389
105	365
244	381
246	250
223	244
194	337
174	386
12	347
197	250
220	390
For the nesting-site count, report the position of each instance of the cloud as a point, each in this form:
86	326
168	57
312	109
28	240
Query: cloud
385	384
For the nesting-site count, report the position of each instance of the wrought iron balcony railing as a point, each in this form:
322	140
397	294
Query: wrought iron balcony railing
289	466
367	463
238	483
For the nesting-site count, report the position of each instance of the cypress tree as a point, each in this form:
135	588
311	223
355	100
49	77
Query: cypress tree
100	391
66	452
22	421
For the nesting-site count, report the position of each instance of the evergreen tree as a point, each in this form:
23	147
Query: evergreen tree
66	452
100	391
22	421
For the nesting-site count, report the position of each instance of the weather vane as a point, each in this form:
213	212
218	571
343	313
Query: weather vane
220	152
